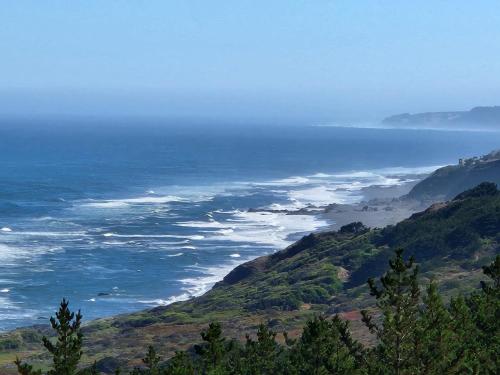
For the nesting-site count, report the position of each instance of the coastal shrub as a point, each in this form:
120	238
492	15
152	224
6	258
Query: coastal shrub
9	343
314	294
484	189
463	239
488	224
323	348
108	365
135	322
353	228
175	316
286	301
416	334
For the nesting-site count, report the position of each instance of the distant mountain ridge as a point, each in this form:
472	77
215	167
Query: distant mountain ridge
447	182
479	117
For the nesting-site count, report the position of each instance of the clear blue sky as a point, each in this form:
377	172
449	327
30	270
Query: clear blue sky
311	60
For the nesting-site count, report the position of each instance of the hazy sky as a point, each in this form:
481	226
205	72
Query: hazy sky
307	60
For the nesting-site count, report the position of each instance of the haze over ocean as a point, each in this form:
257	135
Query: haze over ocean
306	61
120	218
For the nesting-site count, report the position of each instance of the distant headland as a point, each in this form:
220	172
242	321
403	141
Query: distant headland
476	118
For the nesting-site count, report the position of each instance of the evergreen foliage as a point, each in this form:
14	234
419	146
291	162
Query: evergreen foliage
263	356
433	336
212	350
484	189
325	348
414	335
397	300
181	364
152	363
67	350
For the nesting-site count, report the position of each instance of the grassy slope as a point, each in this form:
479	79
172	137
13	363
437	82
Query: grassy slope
447	182
323	272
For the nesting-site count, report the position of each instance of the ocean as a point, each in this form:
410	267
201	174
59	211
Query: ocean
119	217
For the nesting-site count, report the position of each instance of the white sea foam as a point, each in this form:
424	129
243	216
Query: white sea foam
44	218
9	253
263	228
175	255
10	310
106	204
236	255
202	224
152	200
322	189
317	190
6	229
193	237
197	285
294	180
121	203
165	302
355	175
318	196
401	171
13	254
375	176
320	175
50	234
153	236
190	195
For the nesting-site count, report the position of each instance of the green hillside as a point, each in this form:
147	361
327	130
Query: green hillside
449	181
325	272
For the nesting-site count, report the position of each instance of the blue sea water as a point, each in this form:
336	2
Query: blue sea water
122	217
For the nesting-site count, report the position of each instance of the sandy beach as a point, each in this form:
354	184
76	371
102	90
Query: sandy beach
382	206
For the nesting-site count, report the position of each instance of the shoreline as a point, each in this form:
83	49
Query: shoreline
382	206
379	206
